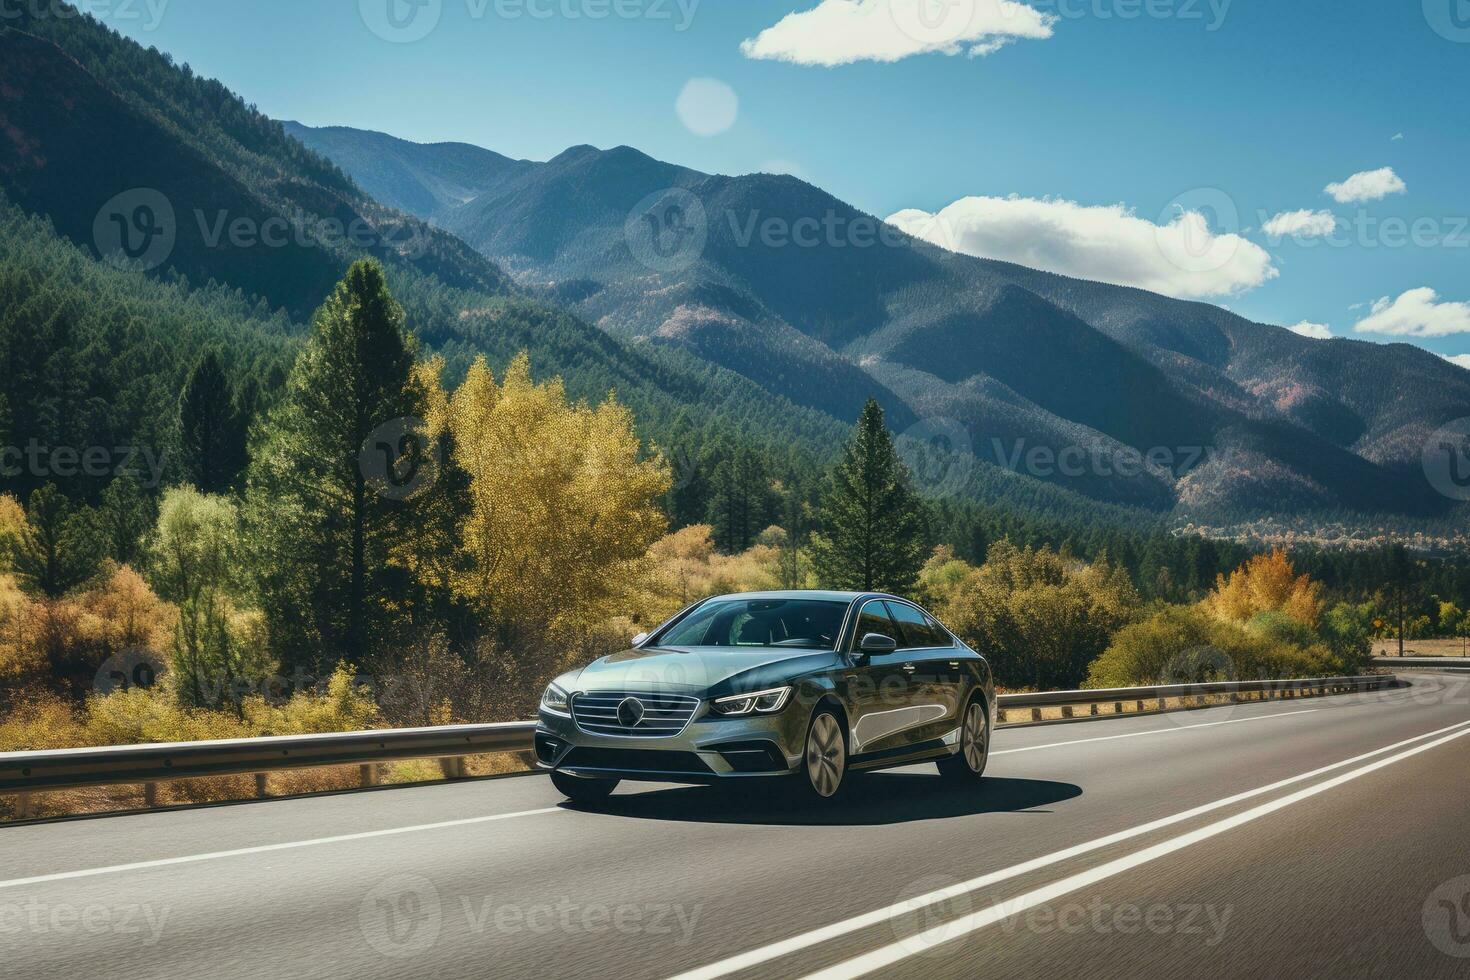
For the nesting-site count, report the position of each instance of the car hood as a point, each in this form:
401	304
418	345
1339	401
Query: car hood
700	669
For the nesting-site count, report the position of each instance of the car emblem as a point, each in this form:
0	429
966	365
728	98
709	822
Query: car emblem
630	712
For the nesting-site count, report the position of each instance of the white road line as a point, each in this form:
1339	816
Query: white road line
267	848
950	931
785	947
1155	731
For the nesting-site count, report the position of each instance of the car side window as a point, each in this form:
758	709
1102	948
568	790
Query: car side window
919	631
874	618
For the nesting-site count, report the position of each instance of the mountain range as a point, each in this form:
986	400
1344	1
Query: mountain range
758	305
1069	381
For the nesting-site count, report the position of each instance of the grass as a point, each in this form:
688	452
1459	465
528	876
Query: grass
1422	648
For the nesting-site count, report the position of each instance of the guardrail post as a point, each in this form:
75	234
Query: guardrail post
1140	707
1066	711
1092	709
1035	714
368	774
150	795
22	806
260	788
1117	707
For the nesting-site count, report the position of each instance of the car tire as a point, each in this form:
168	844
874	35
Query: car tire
583	789
968	764
824	757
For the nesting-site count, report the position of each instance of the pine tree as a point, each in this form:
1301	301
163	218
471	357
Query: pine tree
57	550
873	524
324	531
211	430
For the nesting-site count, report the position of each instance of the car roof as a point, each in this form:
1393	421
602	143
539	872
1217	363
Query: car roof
819	594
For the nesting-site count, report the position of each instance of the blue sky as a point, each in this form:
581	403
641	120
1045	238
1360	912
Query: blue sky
1160	106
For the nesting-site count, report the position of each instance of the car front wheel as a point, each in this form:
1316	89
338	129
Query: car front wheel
582	789
825	760
969	762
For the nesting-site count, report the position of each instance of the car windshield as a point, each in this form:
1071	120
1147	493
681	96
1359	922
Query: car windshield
803	623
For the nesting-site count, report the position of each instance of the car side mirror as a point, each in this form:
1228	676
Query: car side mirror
877	643
638	640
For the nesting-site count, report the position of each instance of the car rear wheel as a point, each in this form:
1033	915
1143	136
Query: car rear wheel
969	762
583	789
825	761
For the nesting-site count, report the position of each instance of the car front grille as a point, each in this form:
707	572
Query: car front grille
608	713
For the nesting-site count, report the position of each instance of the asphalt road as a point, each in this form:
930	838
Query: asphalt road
1322	837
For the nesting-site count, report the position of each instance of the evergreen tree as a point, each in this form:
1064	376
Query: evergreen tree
121	520
324	530
57	550
211	429
873	525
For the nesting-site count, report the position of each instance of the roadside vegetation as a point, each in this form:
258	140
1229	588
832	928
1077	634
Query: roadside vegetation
372	543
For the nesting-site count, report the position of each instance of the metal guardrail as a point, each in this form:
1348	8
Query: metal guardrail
1421	663
1120	696
24	773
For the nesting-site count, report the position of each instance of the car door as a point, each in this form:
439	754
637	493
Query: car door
881	691
930	650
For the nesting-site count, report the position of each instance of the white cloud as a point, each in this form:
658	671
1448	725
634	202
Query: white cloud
1301	224
840	32
1459	360
1314	331
1417	313
1183	258
1370	185
1396	137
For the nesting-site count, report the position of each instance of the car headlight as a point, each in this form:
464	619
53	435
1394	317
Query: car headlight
760	702
555	700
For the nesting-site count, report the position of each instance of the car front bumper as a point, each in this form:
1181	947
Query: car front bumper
711	748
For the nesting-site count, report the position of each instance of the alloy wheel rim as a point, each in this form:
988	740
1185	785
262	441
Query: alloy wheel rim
975	738
824	755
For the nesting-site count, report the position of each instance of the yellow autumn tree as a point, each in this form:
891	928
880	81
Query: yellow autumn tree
563	507
1266	584
12	529
22	655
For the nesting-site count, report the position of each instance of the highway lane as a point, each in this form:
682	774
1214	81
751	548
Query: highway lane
670	880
